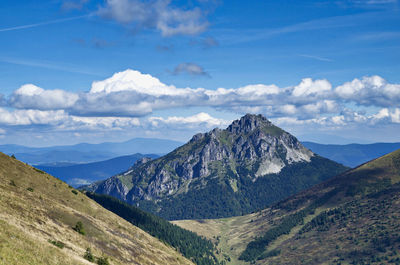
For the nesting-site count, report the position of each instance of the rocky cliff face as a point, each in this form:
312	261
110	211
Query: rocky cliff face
250	149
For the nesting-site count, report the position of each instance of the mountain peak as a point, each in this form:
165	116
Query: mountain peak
249	154
248	123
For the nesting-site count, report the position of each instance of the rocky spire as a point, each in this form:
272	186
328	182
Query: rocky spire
248	123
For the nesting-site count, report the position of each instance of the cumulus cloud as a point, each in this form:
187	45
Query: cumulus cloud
309	87
62	121
159	15
368	91
345	118
29	117
123	99
190	68
202	119
33	97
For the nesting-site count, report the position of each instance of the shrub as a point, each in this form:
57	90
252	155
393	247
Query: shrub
88	255
57	243
38	170
12	183
103	261
13	156
30	189
79	228
74	192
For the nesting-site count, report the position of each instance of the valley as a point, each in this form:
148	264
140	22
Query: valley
351	219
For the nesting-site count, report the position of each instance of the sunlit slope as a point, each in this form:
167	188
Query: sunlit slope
353	218
38	212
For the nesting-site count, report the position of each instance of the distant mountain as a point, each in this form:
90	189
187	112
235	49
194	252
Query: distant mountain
352	218
85	153
83	174
352	155
245	167
45	221
62	157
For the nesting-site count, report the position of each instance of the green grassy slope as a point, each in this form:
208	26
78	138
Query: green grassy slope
38	212
353	218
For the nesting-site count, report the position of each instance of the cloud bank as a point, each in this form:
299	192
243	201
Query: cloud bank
129	99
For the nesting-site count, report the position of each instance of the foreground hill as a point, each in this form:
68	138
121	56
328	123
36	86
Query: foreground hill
352	155
353	218
44	221
83	174
245	167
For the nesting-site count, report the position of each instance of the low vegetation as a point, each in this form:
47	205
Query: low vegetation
79	228
56	243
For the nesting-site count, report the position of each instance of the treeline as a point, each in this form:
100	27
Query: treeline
256	248
192	246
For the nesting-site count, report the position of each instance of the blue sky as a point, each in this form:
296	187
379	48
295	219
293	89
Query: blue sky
327	71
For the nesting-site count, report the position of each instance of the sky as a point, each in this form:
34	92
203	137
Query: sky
76	71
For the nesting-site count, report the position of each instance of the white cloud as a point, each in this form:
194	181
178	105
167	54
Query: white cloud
131	80
369	91
116	123
157	14
33	97
29	117
309	87
387	115
121	100
199	120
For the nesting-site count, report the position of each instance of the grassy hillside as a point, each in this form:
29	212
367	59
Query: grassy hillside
38	214
353	218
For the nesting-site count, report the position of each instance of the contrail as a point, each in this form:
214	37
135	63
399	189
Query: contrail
43	23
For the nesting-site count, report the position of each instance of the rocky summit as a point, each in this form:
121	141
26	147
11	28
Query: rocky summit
234	171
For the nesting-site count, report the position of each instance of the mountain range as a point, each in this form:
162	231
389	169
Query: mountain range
85	153
352	155
352	218
245	167
82	174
